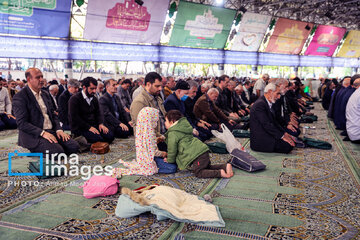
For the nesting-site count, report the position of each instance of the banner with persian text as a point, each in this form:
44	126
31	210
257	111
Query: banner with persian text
289	36
251	32
37	18
325	41
199	25
351	46
125	20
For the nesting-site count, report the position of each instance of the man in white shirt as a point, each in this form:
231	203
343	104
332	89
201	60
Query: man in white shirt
260	85
353	114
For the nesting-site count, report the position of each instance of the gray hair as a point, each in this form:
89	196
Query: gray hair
270	86
206	85
281	81
73	83
212	90
192	84
53	87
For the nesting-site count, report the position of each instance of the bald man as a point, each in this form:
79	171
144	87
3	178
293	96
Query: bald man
39	128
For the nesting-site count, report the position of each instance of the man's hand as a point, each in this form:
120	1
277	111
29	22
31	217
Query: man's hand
206	123
127	110
94	130
291	128
288	140
232	122
164	154
202	125
160	139
103	129
131	124
233	115
10	116
51	138
195	132
124	127
61	135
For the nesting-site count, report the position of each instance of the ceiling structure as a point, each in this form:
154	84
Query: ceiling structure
340	13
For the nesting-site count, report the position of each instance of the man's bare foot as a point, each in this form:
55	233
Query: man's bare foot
229	170
224	174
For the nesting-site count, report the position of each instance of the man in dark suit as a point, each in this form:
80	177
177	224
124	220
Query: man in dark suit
39	127
266	135
85	116
113	111
73	88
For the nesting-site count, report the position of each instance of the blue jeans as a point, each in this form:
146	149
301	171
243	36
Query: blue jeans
165	167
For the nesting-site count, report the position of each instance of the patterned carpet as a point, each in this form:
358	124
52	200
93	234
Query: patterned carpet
309	194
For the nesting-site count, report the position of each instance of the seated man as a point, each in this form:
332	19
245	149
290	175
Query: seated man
222	101
54	90
149	97
7	121
113	111
39	127
353	113
173	101
340	104
266	135
72	88
85	116
170	84
125	99
205	109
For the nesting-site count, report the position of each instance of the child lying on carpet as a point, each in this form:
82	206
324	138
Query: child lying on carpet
189	152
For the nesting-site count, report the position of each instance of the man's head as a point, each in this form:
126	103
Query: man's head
89	86
171	117
153	83
223	81
213	94
73	86
193	88
356	83
62	81
272	92
170	82
182	88
231	86
247	84
54	90
34	78
346	81
100	87
266	77
11	84
353	79
205	87
126	84
110	86
20	83
163	81
283	85
239	89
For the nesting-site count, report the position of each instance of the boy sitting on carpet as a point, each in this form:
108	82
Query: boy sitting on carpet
186	150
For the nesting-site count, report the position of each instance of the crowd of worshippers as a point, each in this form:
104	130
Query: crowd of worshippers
100	111
342	100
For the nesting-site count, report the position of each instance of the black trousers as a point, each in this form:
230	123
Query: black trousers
282	147
67	147
7	123
203	168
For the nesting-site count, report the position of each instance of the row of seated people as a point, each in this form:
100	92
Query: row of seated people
342	100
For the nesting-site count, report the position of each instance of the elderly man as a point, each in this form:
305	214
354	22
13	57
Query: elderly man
266	135
63	102
173	101
205	109
260	85
85	116
170	85
114	112
54	90
353	113
39	127
99	89
125	99
7	121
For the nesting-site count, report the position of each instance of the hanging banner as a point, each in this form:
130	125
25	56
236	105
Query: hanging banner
200	25
37	18
351	46
325	41
251	32
289	36
125	20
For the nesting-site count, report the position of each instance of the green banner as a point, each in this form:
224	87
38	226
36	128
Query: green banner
199	25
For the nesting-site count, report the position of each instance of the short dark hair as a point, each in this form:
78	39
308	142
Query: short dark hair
173	115
151	77
222	78
126	81
107	82
247	82
86	81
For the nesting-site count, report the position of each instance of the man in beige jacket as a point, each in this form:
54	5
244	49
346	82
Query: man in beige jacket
150	97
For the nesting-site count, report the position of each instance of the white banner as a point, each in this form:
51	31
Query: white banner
251	32
125	20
